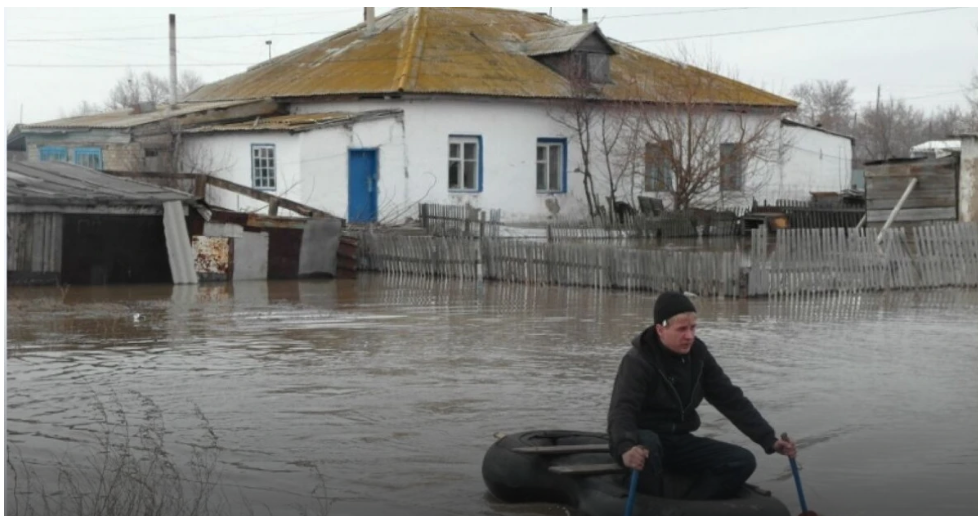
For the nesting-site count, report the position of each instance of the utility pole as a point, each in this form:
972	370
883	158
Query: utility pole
173	59
269	43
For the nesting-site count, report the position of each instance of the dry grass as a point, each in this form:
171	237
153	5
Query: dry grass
131	470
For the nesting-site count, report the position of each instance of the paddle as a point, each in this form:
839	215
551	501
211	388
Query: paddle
631	493
801	494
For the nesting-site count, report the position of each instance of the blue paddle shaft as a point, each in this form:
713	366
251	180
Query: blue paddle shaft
632	488
801	494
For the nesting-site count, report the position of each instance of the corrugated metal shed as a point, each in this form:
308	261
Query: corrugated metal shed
464	51
55	183
126	118
297	123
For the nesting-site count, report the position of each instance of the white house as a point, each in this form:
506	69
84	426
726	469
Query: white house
469	106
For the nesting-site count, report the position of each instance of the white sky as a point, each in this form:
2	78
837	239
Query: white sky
926	58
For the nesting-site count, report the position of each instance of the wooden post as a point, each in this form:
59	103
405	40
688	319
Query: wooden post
200	186
896	209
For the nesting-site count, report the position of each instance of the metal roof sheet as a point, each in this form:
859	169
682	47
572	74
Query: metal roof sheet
126	118
563	39
60	183
465	51
296	123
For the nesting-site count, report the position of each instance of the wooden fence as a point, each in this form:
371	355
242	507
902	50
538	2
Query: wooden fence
666	225
799	261
714	274
459	221
847	260
805	214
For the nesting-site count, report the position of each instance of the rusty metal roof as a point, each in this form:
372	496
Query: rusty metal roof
296	123
465	51
60	183
556	41
127	118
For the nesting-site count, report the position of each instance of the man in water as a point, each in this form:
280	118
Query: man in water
661	380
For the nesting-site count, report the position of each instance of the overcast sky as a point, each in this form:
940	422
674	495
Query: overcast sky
925	57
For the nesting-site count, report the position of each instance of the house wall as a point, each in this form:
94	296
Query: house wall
815	162
413	154
968	189
311	166
812	160
118	151
228	156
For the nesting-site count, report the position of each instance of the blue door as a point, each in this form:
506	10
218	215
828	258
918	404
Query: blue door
362	199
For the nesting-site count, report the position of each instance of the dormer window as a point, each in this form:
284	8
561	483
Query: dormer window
576	52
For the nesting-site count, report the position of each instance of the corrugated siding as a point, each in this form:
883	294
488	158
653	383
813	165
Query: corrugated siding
34	242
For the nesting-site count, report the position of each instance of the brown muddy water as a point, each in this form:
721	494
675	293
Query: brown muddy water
395	387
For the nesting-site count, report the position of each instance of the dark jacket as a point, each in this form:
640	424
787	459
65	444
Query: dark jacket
656	389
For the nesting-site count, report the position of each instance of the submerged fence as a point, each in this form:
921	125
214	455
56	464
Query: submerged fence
555	264
848	260
799	261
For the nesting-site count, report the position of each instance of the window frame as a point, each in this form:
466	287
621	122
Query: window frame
51	150
562	172
725	168
87	152
661	164
273	167
461	140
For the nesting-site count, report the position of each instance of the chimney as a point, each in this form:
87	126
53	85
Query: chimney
584	16
368	19
173	59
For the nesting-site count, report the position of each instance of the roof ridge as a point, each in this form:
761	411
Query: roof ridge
410	53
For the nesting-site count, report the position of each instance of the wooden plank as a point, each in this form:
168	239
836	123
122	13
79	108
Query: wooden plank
917	215
914	201
570	448
586	469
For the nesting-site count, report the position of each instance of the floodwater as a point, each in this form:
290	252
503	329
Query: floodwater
394	387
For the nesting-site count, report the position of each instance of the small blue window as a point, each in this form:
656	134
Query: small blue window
54	154
551	165
90	157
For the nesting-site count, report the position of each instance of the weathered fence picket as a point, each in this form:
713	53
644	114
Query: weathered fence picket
802	262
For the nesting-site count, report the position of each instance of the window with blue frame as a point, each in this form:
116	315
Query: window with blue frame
263	166
551	165
90	157
54	153
465	163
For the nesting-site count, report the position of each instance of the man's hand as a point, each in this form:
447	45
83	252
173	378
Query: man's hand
635	457
785	446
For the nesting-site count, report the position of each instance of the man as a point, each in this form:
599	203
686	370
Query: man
660	382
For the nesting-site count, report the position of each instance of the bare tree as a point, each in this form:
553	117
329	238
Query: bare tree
888	130
703	149
132	89
578	113
155	89
828	104
189	81
126	93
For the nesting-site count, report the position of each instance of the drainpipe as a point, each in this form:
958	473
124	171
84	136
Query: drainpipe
584	16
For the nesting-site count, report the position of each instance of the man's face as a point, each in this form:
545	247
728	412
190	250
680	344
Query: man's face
678	333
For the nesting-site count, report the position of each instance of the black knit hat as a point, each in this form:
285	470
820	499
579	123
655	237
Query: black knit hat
669	304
